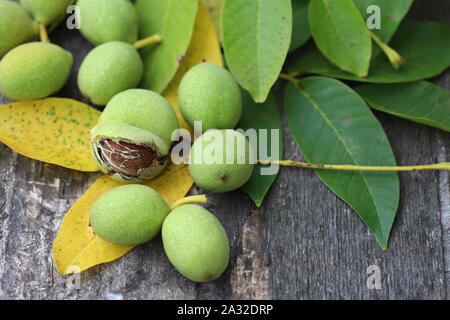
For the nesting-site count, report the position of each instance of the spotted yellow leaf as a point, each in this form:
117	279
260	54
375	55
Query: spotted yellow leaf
52	130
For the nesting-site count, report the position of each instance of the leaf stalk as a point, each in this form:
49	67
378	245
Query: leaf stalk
290	163
288	77
394	57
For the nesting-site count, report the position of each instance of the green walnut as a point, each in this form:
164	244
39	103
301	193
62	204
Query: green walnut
34	70
128	215
145	109
132	140
108	20
16	26
46	11
209	93
221	160
196	243
108	69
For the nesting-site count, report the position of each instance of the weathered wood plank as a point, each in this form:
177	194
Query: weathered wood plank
324	243
302	243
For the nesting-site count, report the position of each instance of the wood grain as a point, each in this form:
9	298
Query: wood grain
303	243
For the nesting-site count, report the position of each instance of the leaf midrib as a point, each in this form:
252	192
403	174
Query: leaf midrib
327	120
258	32
342	38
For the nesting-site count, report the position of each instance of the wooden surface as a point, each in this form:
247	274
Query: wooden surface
303	243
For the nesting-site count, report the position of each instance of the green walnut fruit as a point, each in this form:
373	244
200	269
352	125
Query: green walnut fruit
108	69
132	140
108	20
128	215
46	11
34	70
196	243
16	26
221	160
209	93
145	109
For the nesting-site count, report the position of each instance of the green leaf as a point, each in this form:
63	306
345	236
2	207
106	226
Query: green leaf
300	24
174	20
256	35
333	125
340	33
392	14
261	116
421	102
424	45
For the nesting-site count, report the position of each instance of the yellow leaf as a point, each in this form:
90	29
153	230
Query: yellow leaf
204	47
77	248
52	130
214	8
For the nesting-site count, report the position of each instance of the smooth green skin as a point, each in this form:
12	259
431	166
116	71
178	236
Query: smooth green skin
108	20
34	70
196	243
126	132
221	177
129	215
144	109
46	11
108	69
16	26
209	93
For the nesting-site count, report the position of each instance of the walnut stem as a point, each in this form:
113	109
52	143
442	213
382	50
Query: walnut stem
154	39
189	200
394	58
43	33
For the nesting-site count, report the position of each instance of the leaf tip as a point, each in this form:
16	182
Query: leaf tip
383	243
259	97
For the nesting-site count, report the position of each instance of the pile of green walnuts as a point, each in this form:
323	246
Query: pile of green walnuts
131	142
133	138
